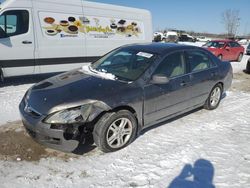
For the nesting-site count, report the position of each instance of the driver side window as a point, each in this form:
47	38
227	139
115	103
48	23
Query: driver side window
172	66
15	22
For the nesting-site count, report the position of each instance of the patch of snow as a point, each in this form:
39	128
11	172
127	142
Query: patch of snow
198	43
10	98
162	156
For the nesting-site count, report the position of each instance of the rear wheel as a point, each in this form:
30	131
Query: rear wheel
214	98
240	57
115	131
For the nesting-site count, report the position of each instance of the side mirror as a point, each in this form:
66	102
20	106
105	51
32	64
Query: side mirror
2	33
159	79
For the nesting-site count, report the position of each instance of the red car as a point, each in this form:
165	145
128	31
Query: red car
227	50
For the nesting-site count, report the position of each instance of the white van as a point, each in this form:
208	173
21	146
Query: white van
171	36
41	36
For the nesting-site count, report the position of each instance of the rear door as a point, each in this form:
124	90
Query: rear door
17	49
165	100
236	49
203	75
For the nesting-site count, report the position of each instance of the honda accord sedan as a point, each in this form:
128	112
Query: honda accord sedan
124	92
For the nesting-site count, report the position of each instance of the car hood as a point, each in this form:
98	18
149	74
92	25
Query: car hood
71	89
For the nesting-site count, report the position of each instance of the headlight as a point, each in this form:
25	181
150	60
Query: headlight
69	116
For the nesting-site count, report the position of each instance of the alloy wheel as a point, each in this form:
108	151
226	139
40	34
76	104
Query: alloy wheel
215	96
119	133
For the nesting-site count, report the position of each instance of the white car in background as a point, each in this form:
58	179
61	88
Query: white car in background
203	39
243	41
171	36
160	35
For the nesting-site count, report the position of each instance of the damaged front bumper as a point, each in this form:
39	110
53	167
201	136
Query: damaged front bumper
59	137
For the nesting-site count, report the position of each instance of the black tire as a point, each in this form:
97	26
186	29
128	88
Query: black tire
240	57
103	130
220	57
1	76
248	66
209	104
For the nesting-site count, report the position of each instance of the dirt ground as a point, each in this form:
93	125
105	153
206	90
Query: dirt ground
241	82
17	145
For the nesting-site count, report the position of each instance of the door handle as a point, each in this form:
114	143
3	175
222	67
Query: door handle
213	74
27	42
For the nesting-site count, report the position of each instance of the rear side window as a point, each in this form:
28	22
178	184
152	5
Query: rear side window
234	44
198	61
172	66
15	22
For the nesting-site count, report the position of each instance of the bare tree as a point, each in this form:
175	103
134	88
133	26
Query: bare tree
231	21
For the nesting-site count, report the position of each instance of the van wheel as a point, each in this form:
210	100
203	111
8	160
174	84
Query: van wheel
115	130
214	98
240	57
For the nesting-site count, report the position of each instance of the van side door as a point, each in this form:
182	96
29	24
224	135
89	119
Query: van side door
59	35
17	46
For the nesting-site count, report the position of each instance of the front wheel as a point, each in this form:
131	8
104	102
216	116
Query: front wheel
214	98
115	131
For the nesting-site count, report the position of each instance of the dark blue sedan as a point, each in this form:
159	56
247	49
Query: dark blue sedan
127	90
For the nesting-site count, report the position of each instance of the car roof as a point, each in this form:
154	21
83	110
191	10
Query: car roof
159	48
222	40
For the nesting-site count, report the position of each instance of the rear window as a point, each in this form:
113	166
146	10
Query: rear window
234	44
198	60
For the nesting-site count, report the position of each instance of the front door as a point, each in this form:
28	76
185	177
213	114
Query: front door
227	52
17	46
165	100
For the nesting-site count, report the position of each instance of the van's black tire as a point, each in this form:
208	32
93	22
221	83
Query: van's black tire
209	105
103	127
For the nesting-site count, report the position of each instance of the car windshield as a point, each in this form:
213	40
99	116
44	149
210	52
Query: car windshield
215	44
127	65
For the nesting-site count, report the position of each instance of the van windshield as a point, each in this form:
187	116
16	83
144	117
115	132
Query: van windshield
126	65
